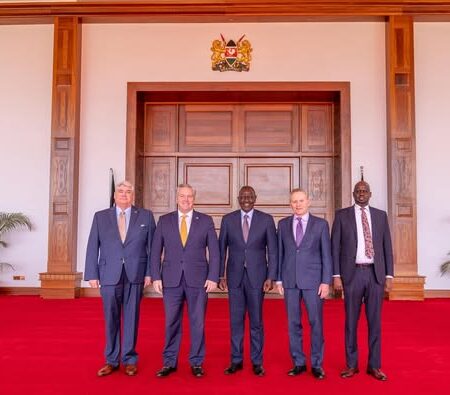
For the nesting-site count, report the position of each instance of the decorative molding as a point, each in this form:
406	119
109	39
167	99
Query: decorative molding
401	158
62	279
101	11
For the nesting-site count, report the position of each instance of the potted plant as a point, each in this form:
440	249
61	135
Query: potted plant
445	267
8	222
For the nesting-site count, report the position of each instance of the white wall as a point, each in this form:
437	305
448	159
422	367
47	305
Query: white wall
115	54
432	62
25	114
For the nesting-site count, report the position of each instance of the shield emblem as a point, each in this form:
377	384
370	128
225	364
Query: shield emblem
231	52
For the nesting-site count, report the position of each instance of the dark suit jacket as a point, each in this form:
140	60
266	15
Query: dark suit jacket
311	265
344	240
106	254
190	259
261	244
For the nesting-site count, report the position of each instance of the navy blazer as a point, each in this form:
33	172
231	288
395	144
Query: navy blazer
106	254
259	253
344	240
309	265
170	259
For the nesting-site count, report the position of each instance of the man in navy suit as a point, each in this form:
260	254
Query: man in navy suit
181	272
363	268
249	237
305	268
118	261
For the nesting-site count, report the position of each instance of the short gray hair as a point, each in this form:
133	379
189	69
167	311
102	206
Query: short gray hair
185	185
125	183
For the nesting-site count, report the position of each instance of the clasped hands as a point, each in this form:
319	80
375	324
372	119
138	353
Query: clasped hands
223	286
209	286
324	290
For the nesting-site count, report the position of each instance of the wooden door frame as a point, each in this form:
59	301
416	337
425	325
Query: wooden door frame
337	92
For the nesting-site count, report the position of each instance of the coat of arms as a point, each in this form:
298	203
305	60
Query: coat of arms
231	55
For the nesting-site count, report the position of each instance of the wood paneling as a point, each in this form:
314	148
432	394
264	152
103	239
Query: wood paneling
269	128
402	157
61	278
317	124
318	180
207	128
214	179
160	128
159	181
273	180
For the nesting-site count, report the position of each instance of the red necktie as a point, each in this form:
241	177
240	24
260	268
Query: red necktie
368	245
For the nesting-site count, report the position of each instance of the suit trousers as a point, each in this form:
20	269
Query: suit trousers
245	299
314	307
363	288
196	300
127	296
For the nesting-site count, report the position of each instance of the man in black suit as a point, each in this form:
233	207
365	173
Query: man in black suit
363	268
249	237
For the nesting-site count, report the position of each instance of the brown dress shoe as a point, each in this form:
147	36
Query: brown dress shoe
349	372
376	373
107	370
131	370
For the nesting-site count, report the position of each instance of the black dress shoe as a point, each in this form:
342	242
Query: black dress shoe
197	371
376	373
296	370
318	373
233	368
258	370
165	371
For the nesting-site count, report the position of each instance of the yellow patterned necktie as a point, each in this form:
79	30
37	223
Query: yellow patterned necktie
183	230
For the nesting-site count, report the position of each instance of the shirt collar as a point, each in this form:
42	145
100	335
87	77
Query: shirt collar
126	211
188	215
250	214
305	217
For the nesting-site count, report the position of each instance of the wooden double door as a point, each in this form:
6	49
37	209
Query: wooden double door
219	147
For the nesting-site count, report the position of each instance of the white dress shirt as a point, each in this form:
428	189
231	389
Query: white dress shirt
361	249
188	219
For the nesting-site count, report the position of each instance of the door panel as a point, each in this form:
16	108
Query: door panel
214	179
269	128
272	179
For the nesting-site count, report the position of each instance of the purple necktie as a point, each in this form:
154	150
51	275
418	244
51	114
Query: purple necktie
245	228
298	231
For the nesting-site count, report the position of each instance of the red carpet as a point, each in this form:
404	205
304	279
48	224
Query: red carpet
55	347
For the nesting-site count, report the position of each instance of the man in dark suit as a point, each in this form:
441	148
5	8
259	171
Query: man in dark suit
249	237
363	268
118	261
181	272
305	268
